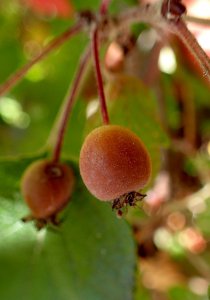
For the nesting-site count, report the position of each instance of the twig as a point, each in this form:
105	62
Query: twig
201	21
151	14
19	74
147	13
57	134
142	13
139	13
180	29
95	53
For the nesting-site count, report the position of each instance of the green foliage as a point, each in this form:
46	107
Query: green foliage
91	255
74	138
36	93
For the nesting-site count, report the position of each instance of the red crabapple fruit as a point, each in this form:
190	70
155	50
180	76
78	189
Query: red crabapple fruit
46	187
114	164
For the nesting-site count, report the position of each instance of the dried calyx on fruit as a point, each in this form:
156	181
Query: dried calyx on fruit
114	165
46	186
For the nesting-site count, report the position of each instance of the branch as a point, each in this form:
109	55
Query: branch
57	133
58	41
149	13
180	29
140	13
95	53
201	21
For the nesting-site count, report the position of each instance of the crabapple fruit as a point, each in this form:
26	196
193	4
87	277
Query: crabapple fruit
46	187
113	162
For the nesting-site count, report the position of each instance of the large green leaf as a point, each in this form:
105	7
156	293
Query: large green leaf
90	256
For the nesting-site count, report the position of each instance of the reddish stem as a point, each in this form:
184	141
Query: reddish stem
62	123
19	74
104	6
99	79
181	30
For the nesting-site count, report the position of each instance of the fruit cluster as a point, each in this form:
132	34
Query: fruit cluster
114	165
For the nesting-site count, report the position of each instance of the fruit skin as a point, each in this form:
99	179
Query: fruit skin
46	187
114	161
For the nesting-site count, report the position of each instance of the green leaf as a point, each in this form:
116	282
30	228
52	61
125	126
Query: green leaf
90	256
74	136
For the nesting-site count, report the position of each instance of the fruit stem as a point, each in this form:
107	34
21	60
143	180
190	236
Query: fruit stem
95	53
60	126
58	41
104	6
181	30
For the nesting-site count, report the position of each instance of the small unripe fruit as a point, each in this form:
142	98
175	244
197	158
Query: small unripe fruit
46	187
113	162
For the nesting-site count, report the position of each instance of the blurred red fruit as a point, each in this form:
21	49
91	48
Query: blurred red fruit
61	8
